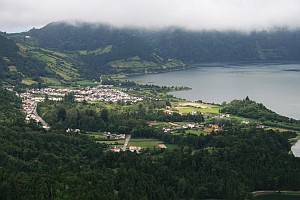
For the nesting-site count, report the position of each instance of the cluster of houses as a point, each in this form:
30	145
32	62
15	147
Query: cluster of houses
178	127
28	109
222	116
110	135
98	93
118	149
70	130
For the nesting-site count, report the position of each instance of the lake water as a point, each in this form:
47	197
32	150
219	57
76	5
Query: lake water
276	85
296	149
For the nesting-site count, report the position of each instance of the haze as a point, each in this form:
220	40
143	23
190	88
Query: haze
241	15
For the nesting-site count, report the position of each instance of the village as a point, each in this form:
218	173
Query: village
105	93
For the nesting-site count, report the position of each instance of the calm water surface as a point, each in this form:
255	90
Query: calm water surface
276	85
296	149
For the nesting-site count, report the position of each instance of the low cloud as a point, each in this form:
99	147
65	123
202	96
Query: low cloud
242	15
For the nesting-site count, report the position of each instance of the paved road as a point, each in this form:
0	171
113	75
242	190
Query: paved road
44	124
126	142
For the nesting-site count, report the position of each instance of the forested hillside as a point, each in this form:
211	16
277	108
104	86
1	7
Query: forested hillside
16	63
57	165
250	109
103	49
188	46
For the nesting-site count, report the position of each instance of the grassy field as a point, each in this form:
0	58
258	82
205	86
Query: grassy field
51	81
96	135
58	63
85	83
144	142
62	55
171	146
215	109
188	107
159	124
28	81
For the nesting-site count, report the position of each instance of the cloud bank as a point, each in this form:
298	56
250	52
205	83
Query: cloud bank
242	15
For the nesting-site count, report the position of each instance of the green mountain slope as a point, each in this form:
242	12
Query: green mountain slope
102	49
188	46
16	64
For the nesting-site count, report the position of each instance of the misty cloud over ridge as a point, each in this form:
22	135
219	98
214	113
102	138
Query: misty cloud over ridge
243	15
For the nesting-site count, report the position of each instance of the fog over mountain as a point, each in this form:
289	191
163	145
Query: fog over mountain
241	15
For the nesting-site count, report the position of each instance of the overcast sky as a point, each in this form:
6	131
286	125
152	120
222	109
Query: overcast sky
245	15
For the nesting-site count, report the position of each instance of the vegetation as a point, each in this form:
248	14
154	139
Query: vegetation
60	165
104	50
250	109
224	159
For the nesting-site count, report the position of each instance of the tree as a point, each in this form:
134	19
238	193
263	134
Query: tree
104	115
61	113
69	97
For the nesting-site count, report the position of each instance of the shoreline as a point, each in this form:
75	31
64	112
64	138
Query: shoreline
270	192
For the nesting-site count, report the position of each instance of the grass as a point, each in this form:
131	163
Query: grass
56	62
132	63
215	110
190	108
187	109
171	146
28	81
144	142
159	124
196	132
86	83
63	55
96	135
51	81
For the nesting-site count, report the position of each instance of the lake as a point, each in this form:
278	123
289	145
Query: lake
276	85
277	197
296	149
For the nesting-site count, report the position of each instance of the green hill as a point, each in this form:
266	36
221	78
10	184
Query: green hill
250	109
104	49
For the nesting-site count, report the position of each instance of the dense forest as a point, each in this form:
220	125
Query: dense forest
36	164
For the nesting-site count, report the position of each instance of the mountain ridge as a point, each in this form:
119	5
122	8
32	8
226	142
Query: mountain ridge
101	49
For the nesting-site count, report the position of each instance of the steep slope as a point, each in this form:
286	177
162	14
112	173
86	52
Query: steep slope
188	46
23	64
233	46
103	49
15	64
